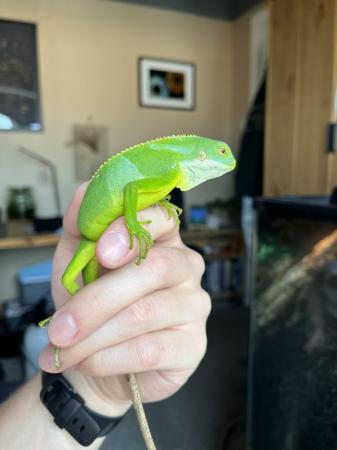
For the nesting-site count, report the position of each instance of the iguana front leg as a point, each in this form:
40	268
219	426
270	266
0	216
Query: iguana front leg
137	195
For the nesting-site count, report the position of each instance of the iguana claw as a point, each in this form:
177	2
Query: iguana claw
144	240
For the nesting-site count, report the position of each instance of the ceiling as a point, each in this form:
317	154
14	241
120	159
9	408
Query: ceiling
219	9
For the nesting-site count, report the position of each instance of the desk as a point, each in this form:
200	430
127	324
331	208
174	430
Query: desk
38	240
20	251
221	250
197	237
227	241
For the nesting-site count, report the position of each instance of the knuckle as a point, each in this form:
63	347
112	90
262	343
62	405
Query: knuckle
198	306
206	303
142	312
200	346
202	305
93	295
101	363
95	301
94	365
197	262
147	351
98	298
160	263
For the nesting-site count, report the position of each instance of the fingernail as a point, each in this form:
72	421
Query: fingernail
62	328
46	359
114	246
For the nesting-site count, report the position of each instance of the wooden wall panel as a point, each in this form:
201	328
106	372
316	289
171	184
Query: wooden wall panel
314	95
332	159
332	173
300	96
281	101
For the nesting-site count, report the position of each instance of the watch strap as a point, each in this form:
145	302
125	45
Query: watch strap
70	412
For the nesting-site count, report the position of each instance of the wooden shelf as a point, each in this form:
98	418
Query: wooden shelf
51	239
38	240
210	234
226	243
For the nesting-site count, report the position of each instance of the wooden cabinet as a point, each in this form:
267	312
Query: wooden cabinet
301	88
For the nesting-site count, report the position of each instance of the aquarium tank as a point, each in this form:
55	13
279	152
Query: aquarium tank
293	337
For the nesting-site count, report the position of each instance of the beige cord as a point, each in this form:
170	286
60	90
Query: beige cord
141	417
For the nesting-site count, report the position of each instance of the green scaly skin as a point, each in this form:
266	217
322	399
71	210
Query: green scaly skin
138	177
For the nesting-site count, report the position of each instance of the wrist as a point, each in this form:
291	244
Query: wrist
93	396
26	424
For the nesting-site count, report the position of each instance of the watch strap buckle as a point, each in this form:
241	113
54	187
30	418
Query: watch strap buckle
69	410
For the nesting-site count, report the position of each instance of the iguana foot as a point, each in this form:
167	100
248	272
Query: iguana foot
144	239
57	363
44	322
172	210
71	285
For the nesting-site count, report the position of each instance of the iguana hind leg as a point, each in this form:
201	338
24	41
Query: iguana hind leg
84	260
85	252
90	272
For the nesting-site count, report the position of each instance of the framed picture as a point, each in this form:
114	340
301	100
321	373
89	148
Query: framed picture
19	85
166	84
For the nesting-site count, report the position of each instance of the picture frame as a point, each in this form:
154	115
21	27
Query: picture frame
164	83
20	108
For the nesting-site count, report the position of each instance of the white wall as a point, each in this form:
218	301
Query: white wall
88	52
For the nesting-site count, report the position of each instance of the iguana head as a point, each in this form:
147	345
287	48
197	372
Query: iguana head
202	160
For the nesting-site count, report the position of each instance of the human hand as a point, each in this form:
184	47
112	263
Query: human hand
148	319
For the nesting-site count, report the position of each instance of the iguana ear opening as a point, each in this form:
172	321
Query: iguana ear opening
202	155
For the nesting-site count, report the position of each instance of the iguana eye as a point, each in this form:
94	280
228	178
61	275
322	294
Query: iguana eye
202	156
222	150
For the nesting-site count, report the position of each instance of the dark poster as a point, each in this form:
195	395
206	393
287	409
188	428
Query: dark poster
19	87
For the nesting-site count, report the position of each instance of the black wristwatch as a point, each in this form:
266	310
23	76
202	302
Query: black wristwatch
69	411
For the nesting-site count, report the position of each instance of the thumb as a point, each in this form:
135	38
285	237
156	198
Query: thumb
113	247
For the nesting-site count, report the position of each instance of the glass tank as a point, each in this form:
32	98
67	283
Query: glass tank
293	341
